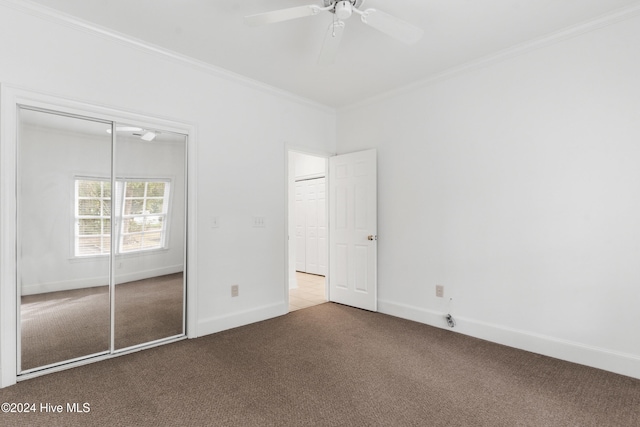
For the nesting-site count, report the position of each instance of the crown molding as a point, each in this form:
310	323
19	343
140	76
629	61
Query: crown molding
605	20
60	18
69	21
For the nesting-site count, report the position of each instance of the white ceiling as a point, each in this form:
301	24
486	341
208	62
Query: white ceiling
284	55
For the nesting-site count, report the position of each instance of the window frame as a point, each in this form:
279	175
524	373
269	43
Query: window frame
121	185
118	216
77	217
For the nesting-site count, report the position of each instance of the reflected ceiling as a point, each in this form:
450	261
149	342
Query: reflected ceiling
63	123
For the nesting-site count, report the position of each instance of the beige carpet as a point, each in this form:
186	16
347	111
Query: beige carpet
332	365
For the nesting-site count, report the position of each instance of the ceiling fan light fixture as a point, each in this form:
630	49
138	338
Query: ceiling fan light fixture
148	136
344	9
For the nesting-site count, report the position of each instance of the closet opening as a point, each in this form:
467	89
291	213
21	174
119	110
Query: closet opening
95	224
101	234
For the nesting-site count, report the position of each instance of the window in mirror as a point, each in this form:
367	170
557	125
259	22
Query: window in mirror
144	215
142	211
92	217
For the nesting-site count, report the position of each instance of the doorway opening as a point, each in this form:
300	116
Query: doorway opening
308	230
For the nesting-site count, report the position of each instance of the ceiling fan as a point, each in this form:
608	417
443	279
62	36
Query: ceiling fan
342	10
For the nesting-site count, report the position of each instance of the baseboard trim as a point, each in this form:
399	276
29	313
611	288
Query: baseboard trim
91	282
242	318
596	357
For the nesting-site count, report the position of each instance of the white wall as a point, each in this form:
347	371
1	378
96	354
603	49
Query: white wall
516	186
242	130
307	166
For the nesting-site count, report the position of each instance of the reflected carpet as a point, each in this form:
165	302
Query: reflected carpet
64	325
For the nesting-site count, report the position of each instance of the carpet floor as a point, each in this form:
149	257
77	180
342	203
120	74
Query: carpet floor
330	365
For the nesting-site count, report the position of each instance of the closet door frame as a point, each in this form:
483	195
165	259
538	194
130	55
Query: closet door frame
11	98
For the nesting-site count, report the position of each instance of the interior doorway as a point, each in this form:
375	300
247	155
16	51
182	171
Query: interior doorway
350	211
307	230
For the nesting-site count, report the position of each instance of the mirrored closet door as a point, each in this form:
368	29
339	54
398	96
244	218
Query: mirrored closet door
63	279
149	255
101	237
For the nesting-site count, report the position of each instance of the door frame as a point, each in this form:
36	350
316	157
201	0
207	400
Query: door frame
290	215
290	212
10	98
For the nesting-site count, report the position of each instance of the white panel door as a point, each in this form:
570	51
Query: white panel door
316	255
301	220
321	212
312	226
353	229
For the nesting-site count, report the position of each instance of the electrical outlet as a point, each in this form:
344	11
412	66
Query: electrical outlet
439	291
235	290
450	321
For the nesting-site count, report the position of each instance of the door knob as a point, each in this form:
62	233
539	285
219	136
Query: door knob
372	237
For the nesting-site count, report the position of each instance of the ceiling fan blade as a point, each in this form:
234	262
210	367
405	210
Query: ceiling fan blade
332	39
281	15
392	26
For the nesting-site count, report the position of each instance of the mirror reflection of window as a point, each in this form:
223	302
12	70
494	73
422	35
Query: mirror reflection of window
144	215
92	217
142	210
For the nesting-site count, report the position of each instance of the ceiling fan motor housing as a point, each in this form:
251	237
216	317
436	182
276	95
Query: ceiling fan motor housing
343	8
